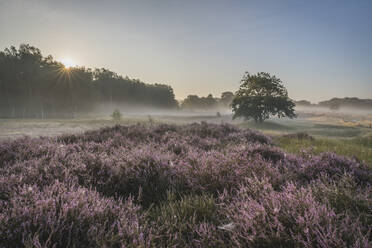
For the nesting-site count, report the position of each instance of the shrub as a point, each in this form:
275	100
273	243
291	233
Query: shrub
116	115
334	166
345	196
70	216
184	222
289	218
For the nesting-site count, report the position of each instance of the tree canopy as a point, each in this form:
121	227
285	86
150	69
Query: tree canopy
261	96
34	86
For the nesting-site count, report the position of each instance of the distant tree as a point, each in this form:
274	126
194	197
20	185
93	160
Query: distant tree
261	96
116	115
304	103
209	101
347	102
226	98
196	102
191	102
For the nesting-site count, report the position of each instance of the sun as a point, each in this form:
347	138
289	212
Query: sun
68	63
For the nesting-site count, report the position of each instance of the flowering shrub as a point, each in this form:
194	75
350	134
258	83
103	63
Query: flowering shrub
65	216
182	223
263	217
345	194
199	185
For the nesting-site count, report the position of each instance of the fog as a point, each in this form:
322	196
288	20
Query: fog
345	114
142	110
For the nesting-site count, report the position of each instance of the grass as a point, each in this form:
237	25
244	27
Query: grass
317	129
350	141
360	147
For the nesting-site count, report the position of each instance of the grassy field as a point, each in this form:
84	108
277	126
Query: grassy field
351	141
359	148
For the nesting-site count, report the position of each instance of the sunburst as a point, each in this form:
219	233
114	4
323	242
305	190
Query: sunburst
68	63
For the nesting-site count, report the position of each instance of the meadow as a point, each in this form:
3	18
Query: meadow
328	132
185	185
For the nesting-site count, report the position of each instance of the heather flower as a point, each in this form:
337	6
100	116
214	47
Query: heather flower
70	216
198	185
289	218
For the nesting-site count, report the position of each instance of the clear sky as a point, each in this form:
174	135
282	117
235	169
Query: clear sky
320	49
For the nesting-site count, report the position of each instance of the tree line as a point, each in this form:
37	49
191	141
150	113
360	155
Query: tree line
194	102
34	86
336	103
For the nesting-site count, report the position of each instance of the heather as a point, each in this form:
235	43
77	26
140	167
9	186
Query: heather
195	185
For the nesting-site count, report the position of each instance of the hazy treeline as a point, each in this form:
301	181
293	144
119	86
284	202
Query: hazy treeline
209	102
347	102
335	103
34	86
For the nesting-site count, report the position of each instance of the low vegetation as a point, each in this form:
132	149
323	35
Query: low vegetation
359	148
116	115
196	185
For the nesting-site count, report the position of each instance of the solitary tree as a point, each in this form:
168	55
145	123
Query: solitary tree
261	96
116	115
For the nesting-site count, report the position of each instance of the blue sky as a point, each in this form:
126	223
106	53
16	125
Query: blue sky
320	49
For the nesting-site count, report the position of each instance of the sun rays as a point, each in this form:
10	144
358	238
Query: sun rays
68	63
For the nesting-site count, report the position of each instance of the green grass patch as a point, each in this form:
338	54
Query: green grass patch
267	125
334	130
360	147
279	127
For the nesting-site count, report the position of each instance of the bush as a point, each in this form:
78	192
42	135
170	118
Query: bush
289	218
116	115
345	195
70	216
178	222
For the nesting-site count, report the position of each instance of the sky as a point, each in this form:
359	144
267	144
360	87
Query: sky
319	49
